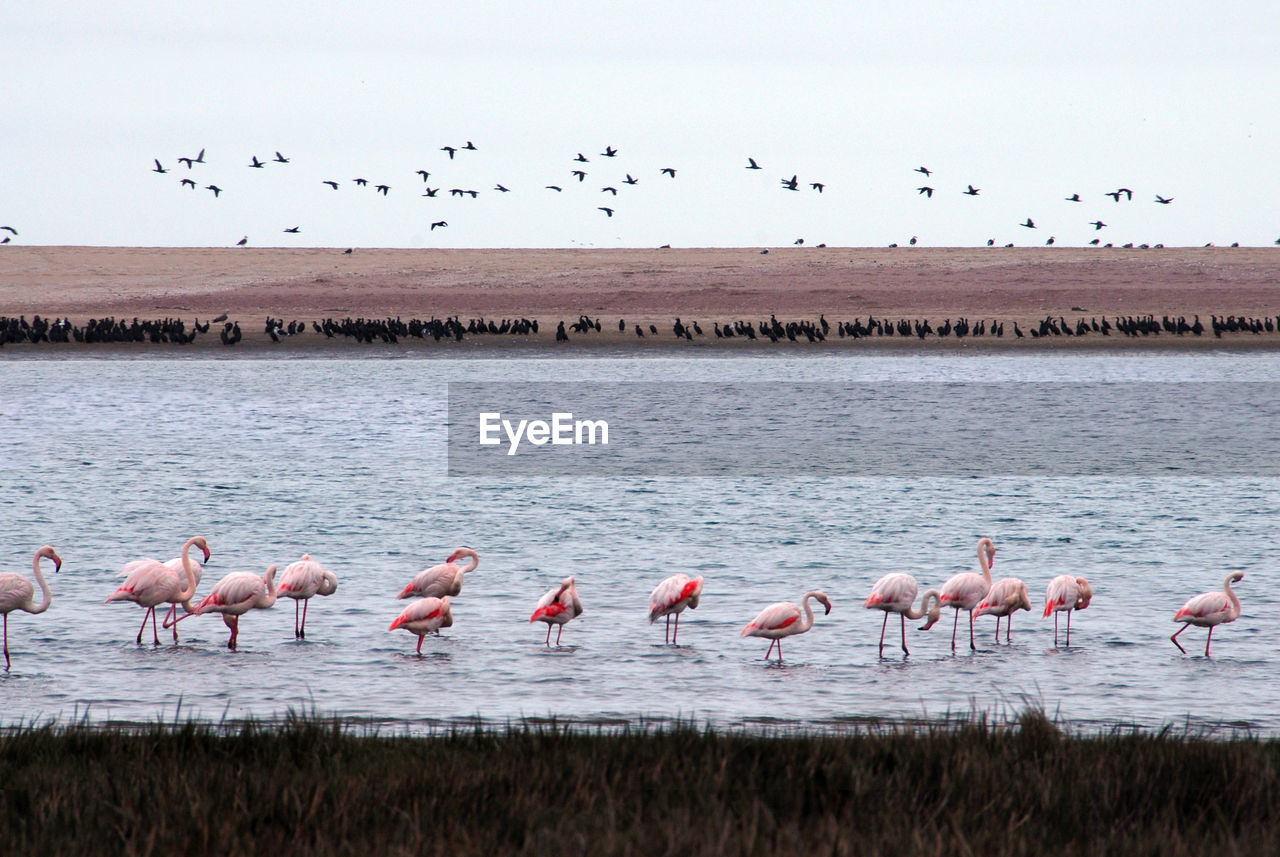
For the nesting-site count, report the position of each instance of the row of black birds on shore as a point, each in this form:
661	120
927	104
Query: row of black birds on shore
18	329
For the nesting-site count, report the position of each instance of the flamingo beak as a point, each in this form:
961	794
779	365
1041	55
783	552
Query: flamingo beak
206	554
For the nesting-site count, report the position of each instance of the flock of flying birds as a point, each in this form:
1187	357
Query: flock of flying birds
605	178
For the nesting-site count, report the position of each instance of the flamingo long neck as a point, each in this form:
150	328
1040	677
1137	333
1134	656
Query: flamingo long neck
1235	602
190	589
807	622
983	560
475	560
46	597
917	612
270	578
328	583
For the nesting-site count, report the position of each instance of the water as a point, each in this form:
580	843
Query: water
117	459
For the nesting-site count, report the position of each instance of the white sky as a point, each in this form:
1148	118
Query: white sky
1028	101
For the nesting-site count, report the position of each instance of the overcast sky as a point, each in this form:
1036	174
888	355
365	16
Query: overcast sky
1029	102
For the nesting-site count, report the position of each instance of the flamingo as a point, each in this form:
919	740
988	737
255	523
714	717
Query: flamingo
895	593
670	597
149	582
425	616
300	581
1006	595
17	593
197	571
964	591
1066	593
237	593
783	620
441	580
557	607
1209	609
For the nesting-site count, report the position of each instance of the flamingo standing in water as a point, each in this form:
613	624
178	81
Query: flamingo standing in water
238	593
895	593
300	581
441	580
557	607
17	593
150	583
1066	593
670	597
783	620
1209	609
965	591
425	616
1007	595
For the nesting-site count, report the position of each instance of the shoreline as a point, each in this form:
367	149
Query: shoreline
647	287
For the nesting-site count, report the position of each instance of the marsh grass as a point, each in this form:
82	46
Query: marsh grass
310	786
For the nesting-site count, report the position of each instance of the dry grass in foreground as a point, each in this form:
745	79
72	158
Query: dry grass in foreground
316	788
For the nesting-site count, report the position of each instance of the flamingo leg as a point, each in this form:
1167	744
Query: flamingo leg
154	633
1055	630
954	625
548	635
1175	637
422	637
234	624
769	651
675	637
1068	629
904	633
295	619
668	635
997	629
973	646
1008	630
143	626
779	650
302	633
558	633
167	623
882	627
6	641
1208	641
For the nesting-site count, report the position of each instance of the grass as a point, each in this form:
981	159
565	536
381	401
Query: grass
314	787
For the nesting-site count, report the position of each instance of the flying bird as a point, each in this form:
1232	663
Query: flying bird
1075	197
582	176
188	182
9	229
1162	200
630	180
158	169
449	149
333	185
818	186
608	211
972	191
1096	224
556	188
213	187
1030	224
198	159
669	171
257	164
440	223
499	187
752	165
361	182
432	191
926	190
791	183
280	159
382	189
924	170
470	146
612	190
425	175
609	152
582	159
293	230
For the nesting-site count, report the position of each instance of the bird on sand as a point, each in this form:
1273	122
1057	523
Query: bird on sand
301	581
243	241
558	606
670	598
17	593
783	620
1208	610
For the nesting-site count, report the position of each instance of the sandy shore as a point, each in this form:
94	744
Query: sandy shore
645	286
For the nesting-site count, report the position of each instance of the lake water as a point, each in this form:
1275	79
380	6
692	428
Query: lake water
111	460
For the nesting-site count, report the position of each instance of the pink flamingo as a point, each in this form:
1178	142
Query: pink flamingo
783	620
17	593
557	607
1209	609
895	593
425	616
1066	593
671	597
238	593
149	582
1007	595
300	581
965	591
441	580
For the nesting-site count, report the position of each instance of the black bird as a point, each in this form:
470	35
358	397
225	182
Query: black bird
470	147
257	164
653	329
333	185
188	182
791	183
347	252
280	159
1114	194
609	152
612	190
361	182
608	211
158	169
818	186
243	241
926	190
991	242
500	188
449	149
669	171
1162	200
213	187
220	318
433	226
425	175
582	159
1030	224
382	189
582	176
1096	224
1075	197
630	180
752	165
198	159
972	191
1128	194
1049	243
432	191
798	241
924	170
912	242
554	187
293	230
622	325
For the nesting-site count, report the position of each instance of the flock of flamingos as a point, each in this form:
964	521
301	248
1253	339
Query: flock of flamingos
150	584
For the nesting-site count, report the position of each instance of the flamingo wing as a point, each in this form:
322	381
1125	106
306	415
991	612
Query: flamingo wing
149	582
1209	608
301	579
434	582
1062	590
237	589
964	590
773	619
15	590
896	589
422	610
673	592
